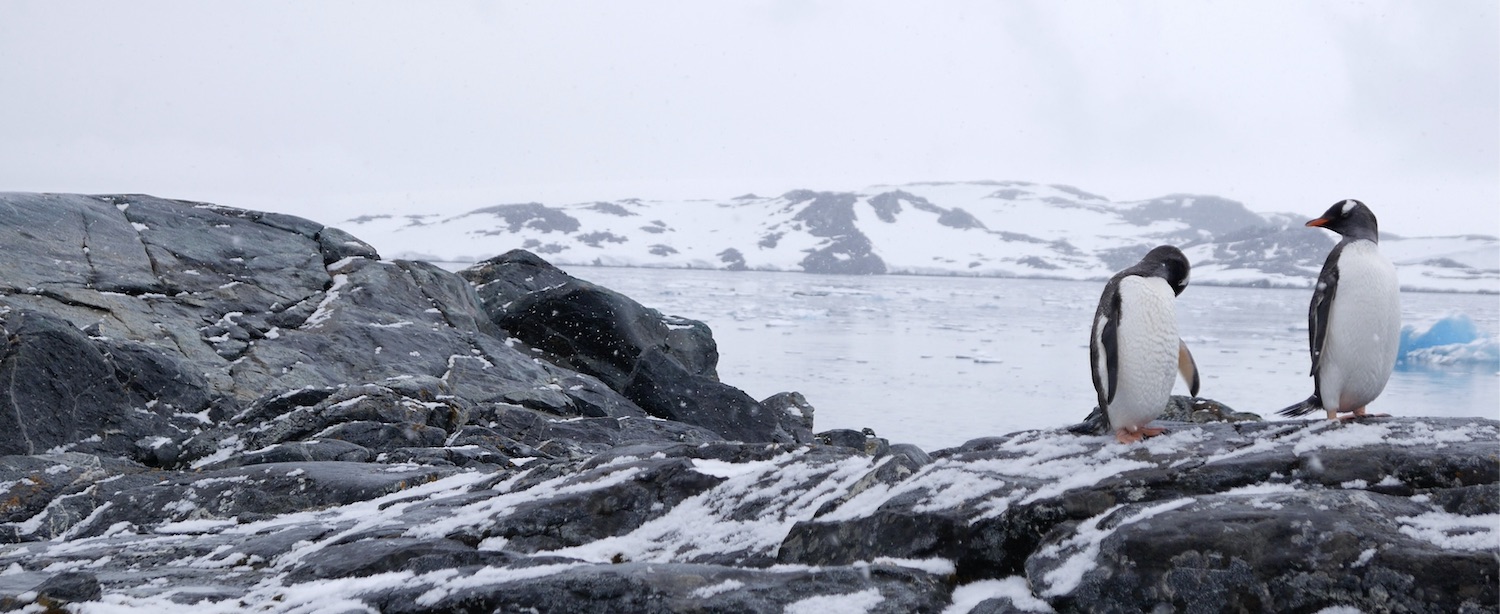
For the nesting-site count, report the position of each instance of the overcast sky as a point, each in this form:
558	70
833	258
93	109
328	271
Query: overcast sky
332	109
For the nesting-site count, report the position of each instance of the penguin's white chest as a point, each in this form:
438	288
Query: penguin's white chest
1364	329
1147	344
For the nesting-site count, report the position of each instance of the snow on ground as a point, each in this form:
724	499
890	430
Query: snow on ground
710	523
1013	588
1454	532
782	491
852	603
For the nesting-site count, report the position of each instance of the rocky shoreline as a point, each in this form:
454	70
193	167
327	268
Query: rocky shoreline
251	411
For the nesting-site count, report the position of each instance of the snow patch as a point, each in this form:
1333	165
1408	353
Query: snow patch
324	310
1014	588
851	603
714	589
1454	532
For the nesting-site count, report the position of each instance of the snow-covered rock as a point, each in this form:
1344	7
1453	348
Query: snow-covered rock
1002	229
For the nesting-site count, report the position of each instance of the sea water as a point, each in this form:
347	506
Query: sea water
937	361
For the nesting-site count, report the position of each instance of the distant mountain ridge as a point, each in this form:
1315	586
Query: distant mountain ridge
982	228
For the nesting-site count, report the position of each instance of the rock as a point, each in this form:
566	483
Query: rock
666	588
665	365
336	245
377	555
1199	410
549	437
1277	552
733	260
846	250
572	519
792	404
63	389
68	587
1194	410
224	497
1253	515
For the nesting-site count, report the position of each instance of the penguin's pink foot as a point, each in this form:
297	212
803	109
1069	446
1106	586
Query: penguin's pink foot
1132	434
1359	412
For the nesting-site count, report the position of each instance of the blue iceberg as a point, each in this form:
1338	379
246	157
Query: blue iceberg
1453	340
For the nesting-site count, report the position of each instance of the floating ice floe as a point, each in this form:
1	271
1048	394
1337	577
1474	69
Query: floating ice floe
1452	340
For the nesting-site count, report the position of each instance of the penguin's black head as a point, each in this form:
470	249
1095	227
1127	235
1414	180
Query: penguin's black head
1168	263
1350	218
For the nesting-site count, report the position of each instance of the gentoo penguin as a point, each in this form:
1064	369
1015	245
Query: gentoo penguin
1135	350
1354	321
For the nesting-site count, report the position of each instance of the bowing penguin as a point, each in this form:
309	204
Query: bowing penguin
1354	321
1135	349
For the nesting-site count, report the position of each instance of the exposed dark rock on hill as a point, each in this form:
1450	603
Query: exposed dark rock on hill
980	228
227	410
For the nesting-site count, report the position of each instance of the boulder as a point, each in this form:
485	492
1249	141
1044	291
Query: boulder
665	365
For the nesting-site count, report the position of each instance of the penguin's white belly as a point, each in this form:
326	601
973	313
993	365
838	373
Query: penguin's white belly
1147	341
1364	329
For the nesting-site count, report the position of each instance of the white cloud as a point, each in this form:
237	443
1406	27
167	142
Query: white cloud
322	107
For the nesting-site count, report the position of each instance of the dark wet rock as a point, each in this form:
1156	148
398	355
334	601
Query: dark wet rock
864	441
68	587
62	387
792	404
231	495
1273	552
1194	410
336	245
375	555
536	434
32	482
668	588
653	487
663	364
300	451
1199	410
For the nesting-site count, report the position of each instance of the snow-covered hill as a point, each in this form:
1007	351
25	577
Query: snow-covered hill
989	228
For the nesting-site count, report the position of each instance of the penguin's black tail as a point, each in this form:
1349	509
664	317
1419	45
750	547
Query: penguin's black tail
1307	406
1097	423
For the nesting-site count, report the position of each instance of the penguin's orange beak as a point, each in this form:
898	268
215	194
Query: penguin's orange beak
1318	222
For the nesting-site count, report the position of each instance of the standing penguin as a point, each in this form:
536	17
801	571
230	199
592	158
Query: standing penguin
1354	321
1135	350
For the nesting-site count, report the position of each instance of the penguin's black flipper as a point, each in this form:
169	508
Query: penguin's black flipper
1322	301
1307	406
1187	367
